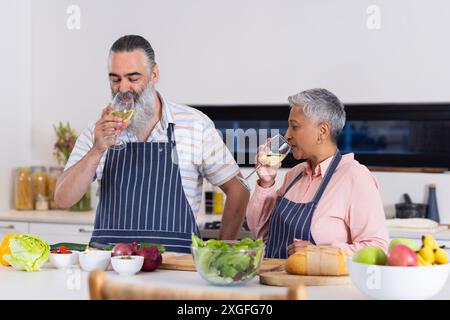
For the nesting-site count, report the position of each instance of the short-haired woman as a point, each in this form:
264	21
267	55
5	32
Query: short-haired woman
330	199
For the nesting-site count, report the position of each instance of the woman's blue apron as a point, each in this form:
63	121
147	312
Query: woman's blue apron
291	220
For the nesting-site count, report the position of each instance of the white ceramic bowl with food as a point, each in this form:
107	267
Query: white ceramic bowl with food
64	260
94	259
127	265
398	283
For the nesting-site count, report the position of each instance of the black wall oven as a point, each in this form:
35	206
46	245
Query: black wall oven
382	135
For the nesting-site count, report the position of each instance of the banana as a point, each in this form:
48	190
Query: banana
421	261
428	240
440	256
427	254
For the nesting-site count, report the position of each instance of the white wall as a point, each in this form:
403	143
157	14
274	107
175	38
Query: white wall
15	93
219	52
253	51
394	185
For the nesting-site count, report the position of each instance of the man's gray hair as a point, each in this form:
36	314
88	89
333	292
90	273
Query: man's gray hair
132	42
320	105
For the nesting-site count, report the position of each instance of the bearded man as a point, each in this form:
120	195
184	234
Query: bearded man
151	190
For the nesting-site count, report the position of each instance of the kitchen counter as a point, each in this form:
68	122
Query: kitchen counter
70	217
439	235
73	284
87	218
51	216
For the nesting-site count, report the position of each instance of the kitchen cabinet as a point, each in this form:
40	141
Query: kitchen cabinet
52	226
57	232
12	227
50	232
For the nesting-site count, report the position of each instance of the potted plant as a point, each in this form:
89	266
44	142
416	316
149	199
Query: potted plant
65	141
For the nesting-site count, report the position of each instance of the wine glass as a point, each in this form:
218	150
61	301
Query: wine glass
123	107
277	149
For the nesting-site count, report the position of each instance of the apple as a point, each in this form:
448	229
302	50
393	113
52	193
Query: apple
407	242
370	255
401	256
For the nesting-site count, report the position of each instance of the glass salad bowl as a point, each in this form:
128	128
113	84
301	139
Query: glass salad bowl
227	263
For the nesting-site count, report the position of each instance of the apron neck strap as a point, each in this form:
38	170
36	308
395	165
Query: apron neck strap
296	179
334	163
170	132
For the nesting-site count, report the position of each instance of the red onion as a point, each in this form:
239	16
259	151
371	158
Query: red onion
152	258
122	249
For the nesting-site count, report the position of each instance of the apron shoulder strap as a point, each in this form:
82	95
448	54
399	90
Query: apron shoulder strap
334	163
293	182
170	133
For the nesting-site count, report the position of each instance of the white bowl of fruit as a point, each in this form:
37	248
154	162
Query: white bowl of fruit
406	272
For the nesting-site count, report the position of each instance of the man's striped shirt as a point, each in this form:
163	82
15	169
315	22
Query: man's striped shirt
201	151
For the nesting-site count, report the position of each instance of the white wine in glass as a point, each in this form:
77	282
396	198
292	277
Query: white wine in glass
123	107
272	159
278	149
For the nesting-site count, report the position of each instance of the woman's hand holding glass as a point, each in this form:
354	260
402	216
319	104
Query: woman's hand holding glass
266	169
270	155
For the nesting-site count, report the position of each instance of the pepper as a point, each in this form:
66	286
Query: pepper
4	248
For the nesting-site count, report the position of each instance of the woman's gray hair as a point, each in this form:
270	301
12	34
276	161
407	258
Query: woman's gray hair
320	105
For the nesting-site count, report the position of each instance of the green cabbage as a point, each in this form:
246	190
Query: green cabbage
230	263
28	253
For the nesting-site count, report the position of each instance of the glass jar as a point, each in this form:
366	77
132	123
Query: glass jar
40	182
84	204
53	174
24	189
218	201
41	202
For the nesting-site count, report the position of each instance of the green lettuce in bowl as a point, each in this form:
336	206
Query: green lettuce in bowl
227	262
28	253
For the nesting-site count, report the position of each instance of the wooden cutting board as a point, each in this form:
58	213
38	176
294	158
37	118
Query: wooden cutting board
186	263
284	279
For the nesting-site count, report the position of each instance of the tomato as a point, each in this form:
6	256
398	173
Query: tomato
62	250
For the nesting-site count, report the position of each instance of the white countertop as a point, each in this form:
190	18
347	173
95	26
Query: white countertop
51	216
440	235
87	218
70	217
73	284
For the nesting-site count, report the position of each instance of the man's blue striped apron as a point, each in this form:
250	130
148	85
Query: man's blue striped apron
291	220
142	197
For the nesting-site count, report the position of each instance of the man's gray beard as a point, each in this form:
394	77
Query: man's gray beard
144	109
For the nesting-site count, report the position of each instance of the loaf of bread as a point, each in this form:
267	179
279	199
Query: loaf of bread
317	261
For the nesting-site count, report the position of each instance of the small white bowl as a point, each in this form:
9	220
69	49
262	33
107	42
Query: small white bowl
390	282
127	265
64	260
94	259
